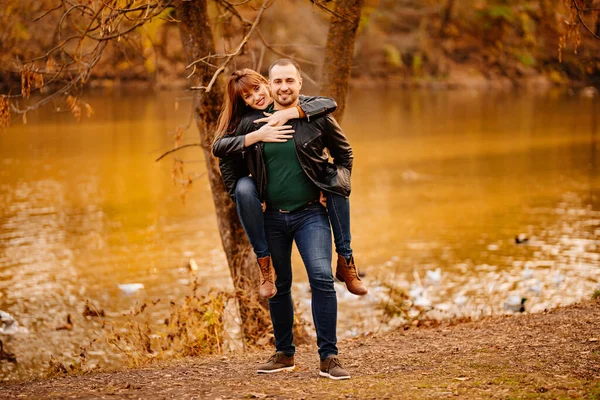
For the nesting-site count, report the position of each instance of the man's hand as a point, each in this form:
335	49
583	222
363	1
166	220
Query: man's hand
322	199
275	134
279	118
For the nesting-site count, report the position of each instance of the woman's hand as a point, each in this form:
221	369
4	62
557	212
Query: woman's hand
270	134
279	118
275	134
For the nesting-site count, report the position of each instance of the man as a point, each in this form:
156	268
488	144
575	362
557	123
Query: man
289	176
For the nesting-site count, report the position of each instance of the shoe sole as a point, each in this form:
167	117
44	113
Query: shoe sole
271	371
335	378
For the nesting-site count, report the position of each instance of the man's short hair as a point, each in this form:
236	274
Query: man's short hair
283	62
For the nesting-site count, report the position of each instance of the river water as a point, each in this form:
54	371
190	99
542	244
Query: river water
441	180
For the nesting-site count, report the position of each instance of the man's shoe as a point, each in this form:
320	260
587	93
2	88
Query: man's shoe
277	363
332	368
267	277
346	272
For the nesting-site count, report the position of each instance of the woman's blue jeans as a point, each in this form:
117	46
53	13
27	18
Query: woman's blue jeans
250	212
251	215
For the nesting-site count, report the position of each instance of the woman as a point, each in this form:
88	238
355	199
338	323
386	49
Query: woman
247	88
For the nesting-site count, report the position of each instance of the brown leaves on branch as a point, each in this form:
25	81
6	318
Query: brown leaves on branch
180	178
74	104
178	137
30	80
177	170
4	113
51	66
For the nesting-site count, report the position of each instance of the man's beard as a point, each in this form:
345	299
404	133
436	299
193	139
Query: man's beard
291	98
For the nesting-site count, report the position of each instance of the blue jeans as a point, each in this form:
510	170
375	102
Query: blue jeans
309	228
251	215
338	208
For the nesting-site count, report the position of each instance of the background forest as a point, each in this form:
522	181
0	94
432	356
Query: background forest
447	42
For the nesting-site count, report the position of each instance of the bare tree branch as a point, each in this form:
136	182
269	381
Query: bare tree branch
231	8
580	11
176	149
204	60
58	7
236	52
241	3
319	4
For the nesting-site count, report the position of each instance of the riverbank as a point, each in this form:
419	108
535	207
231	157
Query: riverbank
546	355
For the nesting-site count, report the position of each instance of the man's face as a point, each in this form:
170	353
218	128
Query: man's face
258	97
285	84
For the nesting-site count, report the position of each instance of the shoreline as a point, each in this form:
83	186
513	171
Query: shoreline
458	80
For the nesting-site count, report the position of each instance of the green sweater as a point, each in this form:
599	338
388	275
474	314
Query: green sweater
288	186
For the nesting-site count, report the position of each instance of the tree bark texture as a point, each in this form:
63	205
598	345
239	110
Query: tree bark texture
446	16
339	51
198	41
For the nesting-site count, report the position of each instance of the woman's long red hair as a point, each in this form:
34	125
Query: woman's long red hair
240	82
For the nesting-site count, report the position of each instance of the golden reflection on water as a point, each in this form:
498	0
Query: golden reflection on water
439	180
451	169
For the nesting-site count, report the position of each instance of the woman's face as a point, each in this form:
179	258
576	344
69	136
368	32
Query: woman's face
258	97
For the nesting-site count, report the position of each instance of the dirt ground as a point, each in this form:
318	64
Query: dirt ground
548	356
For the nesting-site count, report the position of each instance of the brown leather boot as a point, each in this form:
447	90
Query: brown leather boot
267	277
346	272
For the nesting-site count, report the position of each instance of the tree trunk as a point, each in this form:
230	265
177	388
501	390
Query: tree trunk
545	15
339	51
198	41
446	16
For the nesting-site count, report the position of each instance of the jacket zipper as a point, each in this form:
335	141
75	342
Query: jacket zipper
311	140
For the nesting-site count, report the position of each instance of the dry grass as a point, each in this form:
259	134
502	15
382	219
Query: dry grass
195	327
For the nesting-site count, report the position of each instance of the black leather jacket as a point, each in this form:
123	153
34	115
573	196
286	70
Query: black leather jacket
312	136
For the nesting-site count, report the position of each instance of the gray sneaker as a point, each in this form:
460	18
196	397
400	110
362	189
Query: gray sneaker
332	368
277	363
